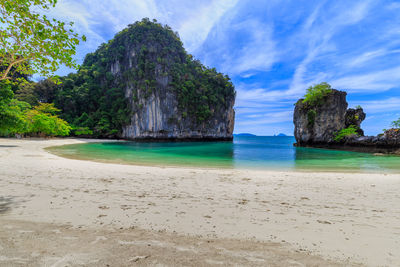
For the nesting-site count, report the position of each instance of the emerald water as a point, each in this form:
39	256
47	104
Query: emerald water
258	152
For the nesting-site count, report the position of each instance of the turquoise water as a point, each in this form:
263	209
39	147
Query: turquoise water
260	152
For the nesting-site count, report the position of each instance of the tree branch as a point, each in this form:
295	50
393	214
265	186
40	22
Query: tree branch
4	76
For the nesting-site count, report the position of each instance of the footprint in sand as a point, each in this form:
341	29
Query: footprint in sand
126	207
243	202
69	237
324	222
98	238
25	231
137	258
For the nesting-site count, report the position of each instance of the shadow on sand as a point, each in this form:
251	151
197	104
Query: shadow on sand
5	204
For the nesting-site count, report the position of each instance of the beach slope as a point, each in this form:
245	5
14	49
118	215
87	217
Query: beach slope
58	211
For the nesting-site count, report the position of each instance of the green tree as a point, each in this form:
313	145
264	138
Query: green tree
45	90
32	43
316	93
11	111
26	93
342	134
43	121
396	123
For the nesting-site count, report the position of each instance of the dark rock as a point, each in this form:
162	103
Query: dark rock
317	127
329	118
392	136
355	117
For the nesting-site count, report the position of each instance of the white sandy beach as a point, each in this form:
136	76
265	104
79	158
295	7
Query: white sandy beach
56	212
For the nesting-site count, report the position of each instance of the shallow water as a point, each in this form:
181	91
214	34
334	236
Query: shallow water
260	152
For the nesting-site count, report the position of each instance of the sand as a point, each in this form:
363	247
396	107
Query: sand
59	212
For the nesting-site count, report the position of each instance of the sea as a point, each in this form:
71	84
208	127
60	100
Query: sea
244	152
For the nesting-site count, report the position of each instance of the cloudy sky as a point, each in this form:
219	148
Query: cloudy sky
273	50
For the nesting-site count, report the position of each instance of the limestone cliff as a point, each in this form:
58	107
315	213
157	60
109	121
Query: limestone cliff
144	85
319	124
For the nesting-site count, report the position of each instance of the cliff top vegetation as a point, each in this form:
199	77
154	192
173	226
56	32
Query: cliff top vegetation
316	94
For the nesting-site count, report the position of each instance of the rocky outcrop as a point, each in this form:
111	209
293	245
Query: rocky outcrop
159	118
142	84
171	96
355	117
317	126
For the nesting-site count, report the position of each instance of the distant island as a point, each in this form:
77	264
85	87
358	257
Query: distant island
244	134
322	119
281	134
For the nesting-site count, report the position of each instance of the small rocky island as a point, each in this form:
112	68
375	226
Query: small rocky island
323	119
144	85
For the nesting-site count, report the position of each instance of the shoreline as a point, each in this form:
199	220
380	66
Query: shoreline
51	150
349	218
368	149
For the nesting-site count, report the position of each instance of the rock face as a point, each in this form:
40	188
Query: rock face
319	124
355	117
144	85
164	93
159	118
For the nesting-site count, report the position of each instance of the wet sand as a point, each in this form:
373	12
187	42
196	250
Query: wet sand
58	211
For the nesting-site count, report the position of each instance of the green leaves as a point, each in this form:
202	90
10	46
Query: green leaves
42	121
316	94
201	91
311	114
396	124
12	119
27	36
342	134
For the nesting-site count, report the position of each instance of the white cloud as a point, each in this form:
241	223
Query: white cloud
268	118
194	29
259	53
192	19
351	14
374	81
319	40
391	104
365	57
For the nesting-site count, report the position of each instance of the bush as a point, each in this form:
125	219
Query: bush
82	131
42	121
349	131
316	94
311	117
396	124
11	111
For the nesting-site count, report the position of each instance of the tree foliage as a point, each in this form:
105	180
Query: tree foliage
31	42
349	131
316	94
43	121
396	124
11	111
17	117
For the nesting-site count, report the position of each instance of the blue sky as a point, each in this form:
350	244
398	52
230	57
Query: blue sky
272	50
